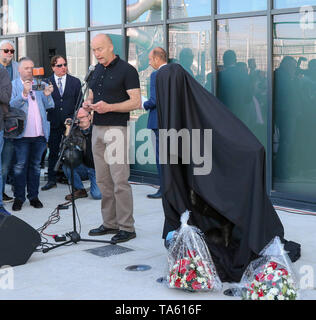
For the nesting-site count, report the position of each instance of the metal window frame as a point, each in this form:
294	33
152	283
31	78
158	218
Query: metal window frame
270	12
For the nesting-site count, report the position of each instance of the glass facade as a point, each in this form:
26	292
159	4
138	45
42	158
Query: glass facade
144	11
105	12
190	45
280	4
242	71
231	6
258	57
294	57
36	9
189	8
12	16
71	14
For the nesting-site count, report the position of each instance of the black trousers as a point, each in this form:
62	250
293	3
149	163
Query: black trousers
53	146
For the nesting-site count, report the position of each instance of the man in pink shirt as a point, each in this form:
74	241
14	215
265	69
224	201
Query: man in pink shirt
30	145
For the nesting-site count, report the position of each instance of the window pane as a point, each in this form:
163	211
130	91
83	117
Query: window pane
242	71
37	21
144	11
279	4
76	49
190	45
189	8
22	47
105	12
140	42
294	106
117	40
13	20
232	6
71	14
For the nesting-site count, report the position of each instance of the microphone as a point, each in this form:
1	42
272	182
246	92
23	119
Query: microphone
90	72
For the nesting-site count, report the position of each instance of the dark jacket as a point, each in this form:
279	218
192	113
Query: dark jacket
5	94
151	103
83	140
65	105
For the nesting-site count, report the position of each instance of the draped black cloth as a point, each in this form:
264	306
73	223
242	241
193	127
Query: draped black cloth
236	186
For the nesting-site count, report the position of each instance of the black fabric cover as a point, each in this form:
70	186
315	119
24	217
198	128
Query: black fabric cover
236	186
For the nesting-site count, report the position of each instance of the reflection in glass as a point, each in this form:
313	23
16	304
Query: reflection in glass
12	17
105	12
140	42
117	39
190	46
242	71
189	8
21	47
71	14
232	6
75	48
279	4
144	10
36	9
294	106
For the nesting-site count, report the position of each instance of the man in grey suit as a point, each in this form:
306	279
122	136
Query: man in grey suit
7	50
5	95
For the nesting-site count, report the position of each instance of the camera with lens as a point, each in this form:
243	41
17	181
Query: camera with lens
69	122
39	82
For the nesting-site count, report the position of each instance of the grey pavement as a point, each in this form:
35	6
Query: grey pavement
75	273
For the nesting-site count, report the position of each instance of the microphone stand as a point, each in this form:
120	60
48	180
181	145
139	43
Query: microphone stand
74	235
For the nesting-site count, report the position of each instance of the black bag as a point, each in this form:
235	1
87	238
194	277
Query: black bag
14	123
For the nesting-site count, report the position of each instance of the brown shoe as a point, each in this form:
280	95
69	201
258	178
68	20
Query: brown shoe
80	193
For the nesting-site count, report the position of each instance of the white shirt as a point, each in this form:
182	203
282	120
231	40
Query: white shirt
162	66
63	81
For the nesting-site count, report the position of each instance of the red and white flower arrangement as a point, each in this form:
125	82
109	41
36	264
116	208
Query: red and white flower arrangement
272	282
192	273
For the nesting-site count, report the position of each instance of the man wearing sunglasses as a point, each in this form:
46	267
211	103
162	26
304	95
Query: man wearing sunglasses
5	95
7	50
67	91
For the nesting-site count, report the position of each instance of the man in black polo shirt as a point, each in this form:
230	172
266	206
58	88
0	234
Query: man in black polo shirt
115	91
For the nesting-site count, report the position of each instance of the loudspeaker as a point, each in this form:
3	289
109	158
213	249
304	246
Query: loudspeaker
18	241
42	46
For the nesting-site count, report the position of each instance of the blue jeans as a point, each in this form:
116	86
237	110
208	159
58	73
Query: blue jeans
6	159
27	170
1	146
80	173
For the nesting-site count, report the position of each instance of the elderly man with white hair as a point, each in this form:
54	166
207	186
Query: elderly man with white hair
7	50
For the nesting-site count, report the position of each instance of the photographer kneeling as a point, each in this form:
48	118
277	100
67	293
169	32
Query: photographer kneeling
83	132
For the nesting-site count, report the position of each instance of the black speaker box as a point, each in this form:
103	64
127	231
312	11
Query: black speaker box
42	46
18	241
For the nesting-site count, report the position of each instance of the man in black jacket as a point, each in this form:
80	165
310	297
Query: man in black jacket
67	91
83	133
5	96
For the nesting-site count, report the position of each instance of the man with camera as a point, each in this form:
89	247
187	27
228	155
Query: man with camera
82	133
30	145
67	91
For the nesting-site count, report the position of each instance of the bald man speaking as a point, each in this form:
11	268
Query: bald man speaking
114	92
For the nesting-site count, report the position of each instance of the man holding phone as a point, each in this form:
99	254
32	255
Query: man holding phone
30	145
